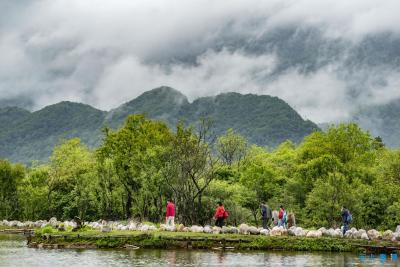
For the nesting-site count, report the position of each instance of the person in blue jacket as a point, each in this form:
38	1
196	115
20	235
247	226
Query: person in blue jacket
346	219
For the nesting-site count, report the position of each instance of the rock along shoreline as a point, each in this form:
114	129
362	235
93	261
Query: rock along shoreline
134	235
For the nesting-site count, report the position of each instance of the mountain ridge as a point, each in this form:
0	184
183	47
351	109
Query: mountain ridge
263	120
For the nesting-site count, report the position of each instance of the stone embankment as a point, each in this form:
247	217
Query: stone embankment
125	234
108	226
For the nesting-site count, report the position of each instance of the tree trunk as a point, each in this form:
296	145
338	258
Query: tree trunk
200	210
128	206
255	217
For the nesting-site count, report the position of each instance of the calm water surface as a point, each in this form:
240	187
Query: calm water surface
13	252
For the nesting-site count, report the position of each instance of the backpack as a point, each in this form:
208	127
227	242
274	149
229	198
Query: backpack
284	217
264	211
349	218
226	214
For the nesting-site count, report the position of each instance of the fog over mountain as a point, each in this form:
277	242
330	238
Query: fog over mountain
327	59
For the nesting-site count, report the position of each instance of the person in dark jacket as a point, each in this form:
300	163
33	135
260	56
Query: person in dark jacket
219	215
345	219
266	215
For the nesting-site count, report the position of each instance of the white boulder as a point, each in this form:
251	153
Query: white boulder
314	233
253	230
388	235
292	231
94	225
53	222
324	231
196	229
207	229
359	233
264	232
364	236
216	230
244	229
152	228
233	230
225	230
132	226
374	235
299	232
276	231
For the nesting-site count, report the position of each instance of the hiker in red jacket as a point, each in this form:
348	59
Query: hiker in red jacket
220	215
170	214
282	217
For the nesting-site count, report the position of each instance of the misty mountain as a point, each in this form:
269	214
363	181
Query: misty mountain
326	67
264	120
32	136
381	120
163	103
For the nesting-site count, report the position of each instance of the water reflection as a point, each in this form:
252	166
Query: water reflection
13	252
383	259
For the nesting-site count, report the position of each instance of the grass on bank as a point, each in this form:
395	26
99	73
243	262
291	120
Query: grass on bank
161	239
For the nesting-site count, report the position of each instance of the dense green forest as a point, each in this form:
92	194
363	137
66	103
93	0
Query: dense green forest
264	120
137	167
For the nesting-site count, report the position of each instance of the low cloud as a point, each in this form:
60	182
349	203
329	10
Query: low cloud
213	73
107	52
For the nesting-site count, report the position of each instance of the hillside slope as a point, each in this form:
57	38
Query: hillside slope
34	136
263	120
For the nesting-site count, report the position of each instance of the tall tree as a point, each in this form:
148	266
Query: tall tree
231	147
190	167
72	171
10	176
109	191
33	191
132	149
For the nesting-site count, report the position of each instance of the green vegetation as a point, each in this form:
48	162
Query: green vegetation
263	120
136	168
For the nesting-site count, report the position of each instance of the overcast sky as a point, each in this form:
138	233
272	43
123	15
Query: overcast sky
325	58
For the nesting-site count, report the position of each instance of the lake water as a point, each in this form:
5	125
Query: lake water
14	252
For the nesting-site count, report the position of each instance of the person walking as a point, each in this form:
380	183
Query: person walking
266	215
219	215
170	214
346	219
282	217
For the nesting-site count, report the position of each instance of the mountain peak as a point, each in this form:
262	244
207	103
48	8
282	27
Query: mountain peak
165	94
68	105
161	103
164	90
